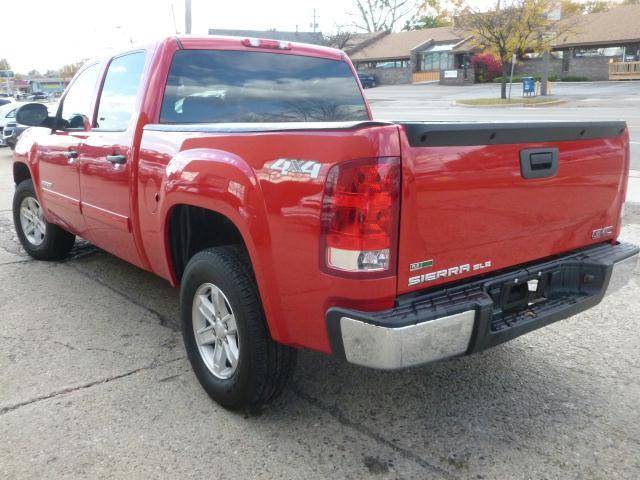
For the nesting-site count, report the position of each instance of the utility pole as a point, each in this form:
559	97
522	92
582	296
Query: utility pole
314	25
187	17
544	81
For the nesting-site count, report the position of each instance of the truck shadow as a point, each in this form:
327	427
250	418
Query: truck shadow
462	415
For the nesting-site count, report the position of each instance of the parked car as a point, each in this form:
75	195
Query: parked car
11	134
291	219
38	96
5	95
7	114
366	80
5	101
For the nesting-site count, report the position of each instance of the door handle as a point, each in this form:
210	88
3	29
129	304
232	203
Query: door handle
70	154
117	159
538	162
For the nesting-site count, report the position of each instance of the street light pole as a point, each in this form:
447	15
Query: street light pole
187	17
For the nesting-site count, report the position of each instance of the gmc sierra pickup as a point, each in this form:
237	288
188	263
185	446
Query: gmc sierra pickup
250	173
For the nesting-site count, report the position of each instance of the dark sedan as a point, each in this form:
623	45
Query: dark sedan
367	81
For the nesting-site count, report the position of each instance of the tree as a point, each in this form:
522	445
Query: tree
597	6
569	8
426	21
4	64
511	27
340	39
382	15
70	69
33	73
430	15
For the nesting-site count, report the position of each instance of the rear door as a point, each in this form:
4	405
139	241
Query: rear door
58	153
107	168
484	197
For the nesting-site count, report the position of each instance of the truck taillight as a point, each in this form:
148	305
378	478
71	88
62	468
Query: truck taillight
360	212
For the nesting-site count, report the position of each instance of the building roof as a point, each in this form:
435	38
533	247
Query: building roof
399	45
358	41
618	25
301	37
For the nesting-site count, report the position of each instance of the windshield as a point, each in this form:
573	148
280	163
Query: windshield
214	86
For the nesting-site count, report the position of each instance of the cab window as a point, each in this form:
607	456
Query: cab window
120	92
213	86
76	107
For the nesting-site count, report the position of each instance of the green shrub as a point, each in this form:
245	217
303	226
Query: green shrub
574	78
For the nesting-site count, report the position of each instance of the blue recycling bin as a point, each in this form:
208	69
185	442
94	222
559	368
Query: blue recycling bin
528	87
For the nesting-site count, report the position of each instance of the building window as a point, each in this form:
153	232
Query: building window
435	61
392	64
565	62
597	52
632	53
387	64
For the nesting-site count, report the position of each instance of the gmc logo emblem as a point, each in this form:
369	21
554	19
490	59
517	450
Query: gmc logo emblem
602	232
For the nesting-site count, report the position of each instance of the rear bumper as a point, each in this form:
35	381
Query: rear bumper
474	315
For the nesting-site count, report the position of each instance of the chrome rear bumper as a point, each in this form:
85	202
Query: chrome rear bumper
392	348
465	319
621	273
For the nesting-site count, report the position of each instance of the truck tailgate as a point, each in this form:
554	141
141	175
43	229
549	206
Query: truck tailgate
483	197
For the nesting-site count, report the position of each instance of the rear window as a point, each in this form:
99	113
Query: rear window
214	86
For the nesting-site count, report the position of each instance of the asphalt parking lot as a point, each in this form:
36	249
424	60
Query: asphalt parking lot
95	383
583	101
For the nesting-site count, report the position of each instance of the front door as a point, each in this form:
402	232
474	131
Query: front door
107	160
59	174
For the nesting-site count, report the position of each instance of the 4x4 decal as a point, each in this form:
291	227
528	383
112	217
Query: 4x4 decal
290	165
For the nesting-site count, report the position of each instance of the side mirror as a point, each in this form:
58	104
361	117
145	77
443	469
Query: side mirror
32	115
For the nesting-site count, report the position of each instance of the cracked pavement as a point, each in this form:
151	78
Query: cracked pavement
95	383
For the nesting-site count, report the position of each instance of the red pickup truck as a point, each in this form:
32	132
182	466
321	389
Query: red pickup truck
250	173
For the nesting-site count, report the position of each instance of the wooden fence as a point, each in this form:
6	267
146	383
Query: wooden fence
624	71
425	76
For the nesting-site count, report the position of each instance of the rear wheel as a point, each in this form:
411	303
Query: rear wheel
40	239
225	332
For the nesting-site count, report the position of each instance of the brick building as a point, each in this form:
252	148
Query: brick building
598	46
415	56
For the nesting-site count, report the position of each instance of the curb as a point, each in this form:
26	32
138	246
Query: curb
513	104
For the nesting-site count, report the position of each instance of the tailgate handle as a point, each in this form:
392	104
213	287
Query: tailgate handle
538	162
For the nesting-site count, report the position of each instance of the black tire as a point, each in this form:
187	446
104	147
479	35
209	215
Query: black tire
56	243
264	366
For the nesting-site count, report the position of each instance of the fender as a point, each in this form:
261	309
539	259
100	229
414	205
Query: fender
26	153
226	184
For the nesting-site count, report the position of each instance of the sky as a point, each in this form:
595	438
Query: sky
55	33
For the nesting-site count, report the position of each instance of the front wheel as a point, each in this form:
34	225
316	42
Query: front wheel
41	240
225	332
